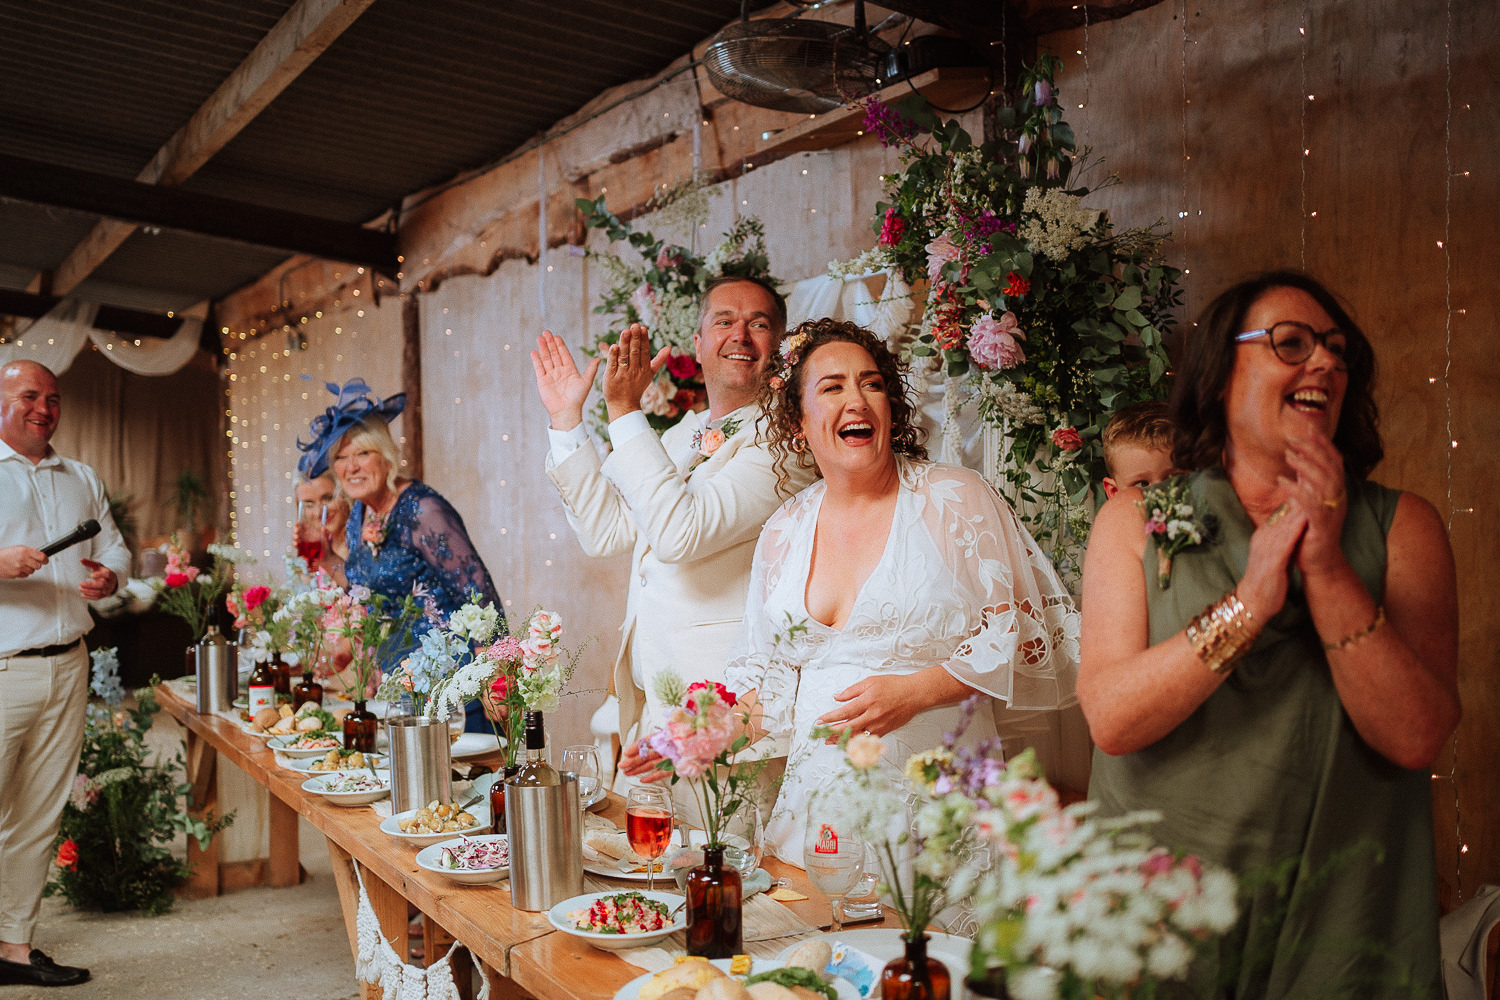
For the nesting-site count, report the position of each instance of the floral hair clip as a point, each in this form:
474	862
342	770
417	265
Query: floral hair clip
791	353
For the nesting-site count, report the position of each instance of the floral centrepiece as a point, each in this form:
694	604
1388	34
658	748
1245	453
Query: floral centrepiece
114	842
663	291
1046	314
512	674
1067	903
188	593
705	729
372	625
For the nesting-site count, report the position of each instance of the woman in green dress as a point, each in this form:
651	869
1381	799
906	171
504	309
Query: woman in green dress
1280	687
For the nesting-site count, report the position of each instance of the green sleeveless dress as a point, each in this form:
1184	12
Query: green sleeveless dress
1332	843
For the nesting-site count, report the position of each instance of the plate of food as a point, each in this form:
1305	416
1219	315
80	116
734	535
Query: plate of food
783	980
474	745
606	852
626	918
350	788
476	860
436	822
316	743
283	721
336	759
860	955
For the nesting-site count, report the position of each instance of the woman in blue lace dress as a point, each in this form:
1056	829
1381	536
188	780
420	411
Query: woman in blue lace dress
401	533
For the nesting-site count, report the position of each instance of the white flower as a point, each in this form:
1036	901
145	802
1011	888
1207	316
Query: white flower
230	554
1032	982
477	623
1055	223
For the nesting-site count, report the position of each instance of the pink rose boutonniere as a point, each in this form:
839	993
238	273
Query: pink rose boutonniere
707	441
1170	516
375	530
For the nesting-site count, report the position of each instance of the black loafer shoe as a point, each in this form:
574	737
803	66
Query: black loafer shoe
40	971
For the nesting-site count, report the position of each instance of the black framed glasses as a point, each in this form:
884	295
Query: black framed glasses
1295	342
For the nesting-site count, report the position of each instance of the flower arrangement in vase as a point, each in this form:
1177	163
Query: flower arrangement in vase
372	626
511	673
1065	904
663	289
705	729
188	593
1046	314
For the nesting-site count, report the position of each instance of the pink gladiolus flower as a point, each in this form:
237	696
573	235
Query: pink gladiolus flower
994	343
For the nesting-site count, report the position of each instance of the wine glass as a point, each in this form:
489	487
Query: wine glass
312	517
648	825
834	855
583	760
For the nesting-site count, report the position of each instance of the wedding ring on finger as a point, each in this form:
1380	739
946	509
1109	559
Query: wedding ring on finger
1334	503
1278	514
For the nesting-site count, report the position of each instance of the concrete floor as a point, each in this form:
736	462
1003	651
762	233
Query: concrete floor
284	943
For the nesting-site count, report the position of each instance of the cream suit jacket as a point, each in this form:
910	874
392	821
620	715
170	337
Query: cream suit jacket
692	530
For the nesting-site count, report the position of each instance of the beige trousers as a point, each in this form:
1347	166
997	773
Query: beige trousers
42	710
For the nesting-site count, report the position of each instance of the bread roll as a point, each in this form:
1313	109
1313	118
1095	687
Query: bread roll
727	988
814	955
692	975
772	991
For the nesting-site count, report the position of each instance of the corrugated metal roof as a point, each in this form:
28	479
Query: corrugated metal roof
412	94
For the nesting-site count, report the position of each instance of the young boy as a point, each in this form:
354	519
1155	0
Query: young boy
1137	447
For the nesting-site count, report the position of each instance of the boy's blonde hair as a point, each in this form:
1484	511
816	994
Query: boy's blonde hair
1144	425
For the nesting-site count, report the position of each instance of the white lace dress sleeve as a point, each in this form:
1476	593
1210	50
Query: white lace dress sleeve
1024	646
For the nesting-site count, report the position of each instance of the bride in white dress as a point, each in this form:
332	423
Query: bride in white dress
885	594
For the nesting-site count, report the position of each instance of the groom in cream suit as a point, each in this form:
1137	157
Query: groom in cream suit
689	512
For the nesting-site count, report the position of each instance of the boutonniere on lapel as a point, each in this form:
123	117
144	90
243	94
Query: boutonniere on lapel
707	441
1171	517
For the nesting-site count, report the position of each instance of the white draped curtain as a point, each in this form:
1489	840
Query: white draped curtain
56	338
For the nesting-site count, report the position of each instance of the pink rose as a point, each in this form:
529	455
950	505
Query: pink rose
500	688
939	252
178	579
256	596
1067	439
643	301
712	439
993	343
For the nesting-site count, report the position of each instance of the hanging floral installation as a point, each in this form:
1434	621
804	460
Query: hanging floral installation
1045	313
660	284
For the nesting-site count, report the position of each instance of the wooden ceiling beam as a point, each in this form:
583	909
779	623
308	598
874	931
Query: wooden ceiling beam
303	33
130	204
127	322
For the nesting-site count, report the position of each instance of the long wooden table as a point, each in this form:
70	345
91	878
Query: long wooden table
519	951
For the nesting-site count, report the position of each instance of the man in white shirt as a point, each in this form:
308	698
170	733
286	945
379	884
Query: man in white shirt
44	667
689	505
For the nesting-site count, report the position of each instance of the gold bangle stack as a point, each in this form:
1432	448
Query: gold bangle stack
1222	633
1360	634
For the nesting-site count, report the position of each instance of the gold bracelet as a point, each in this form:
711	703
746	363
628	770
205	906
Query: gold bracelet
1222	633
1360	634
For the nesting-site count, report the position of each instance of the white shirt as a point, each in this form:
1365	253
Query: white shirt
39	503
621	430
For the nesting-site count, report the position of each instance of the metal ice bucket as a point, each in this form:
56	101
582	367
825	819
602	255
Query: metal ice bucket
217	671
421	768
546	843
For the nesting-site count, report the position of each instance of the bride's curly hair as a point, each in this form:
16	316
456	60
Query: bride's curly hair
782	394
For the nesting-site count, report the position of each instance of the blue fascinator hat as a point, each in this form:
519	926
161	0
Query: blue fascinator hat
355	403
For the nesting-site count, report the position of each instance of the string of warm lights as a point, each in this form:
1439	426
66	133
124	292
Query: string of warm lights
1180	236
1303	100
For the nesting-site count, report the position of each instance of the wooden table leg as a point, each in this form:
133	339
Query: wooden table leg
285	869
201	770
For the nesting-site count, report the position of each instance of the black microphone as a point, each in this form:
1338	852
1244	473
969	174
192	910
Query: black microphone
85	530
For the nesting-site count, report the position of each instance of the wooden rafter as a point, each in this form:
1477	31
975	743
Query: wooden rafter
302	34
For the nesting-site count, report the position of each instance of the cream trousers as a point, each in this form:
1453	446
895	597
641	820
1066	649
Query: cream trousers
42	710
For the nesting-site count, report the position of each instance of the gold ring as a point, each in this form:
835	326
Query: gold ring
624	364
1334	503
1278	514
